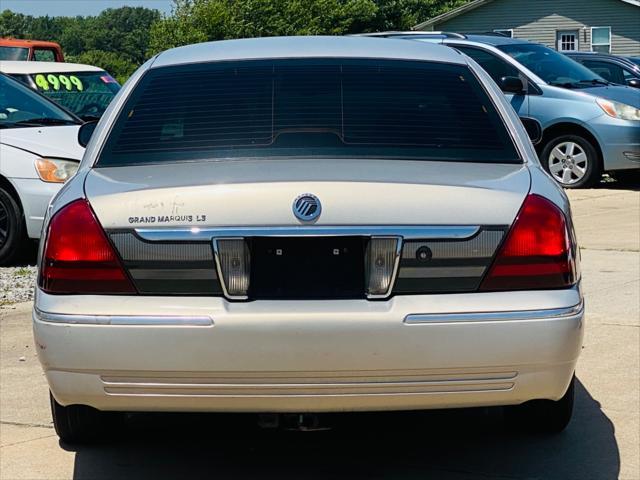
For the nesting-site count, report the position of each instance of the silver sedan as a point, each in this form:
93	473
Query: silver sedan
304	225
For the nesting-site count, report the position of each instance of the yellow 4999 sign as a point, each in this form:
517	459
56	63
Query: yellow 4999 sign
54	81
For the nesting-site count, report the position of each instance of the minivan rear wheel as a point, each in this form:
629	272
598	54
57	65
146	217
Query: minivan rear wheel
83	424
572	161
543	416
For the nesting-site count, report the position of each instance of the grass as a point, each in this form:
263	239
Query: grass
22	272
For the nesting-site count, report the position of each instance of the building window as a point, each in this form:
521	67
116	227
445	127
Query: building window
567	41
507	32
601	39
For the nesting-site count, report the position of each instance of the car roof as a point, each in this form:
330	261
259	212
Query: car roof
306	47
429	37
604	57
17	42
494	40
592	54
27	67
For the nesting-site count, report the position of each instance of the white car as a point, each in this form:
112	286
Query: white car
39	151
308	224
84	90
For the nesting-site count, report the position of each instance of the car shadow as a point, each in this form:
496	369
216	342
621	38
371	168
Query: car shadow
448	444
632	184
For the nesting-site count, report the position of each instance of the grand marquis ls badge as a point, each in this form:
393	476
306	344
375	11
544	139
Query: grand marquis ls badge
307	207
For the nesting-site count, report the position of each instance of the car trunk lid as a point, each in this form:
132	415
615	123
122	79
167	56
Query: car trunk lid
261	193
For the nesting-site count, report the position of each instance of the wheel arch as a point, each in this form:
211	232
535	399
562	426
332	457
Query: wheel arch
8	187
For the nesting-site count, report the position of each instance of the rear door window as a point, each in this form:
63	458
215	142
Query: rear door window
309	108
492	64
607	70
44	55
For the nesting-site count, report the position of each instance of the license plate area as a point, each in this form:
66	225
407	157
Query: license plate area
307	267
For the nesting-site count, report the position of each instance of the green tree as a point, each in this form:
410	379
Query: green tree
13	24
121	68
202	20
120	39
123	30
405	14
116	40
195	21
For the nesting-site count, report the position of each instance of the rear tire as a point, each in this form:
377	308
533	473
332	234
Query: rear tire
572	161
78	424
543	416
12	229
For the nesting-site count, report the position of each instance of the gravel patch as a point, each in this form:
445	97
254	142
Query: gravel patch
17	284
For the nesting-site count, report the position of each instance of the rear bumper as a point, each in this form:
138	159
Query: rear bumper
411	352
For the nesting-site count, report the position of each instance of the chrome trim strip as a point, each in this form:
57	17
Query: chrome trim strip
394	274
546	314
137	320
415	232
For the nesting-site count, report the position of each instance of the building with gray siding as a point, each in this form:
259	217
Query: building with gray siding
610	26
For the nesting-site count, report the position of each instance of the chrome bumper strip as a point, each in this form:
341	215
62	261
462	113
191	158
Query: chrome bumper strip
138	320
406	232
546	314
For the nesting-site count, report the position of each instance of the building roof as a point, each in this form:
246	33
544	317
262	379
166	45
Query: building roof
473	5
26	67
306	47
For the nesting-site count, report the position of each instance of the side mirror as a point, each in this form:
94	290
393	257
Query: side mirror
85	132
512	85
634	82
533	128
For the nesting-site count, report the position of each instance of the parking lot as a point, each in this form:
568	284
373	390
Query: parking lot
602	441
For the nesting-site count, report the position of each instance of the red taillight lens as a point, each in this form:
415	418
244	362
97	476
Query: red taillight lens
537	253
78	257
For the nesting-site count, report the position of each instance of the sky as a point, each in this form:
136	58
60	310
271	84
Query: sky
77	7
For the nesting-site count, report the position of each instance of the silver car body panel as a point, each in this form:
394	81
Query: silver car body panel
310	355
260	193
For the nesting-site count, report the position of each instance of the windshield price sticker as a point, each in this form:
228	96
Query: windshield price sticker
57	82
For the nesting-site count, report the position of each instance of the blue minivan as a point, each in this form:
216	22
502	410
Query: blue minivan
590	125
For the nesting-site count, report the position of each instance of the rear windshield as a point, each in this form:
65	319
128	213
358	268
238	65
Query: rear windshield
320	108
14	53
87	94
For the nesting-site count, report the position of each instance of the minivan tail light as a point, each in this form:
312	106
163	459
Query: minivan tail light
78	257
538	252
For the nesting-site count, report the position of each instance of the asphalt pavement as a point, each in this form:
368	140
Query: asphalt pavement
601	442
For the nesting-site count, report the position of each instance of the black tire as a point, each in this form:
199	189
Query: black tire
543	416
13	236
80	424
592	167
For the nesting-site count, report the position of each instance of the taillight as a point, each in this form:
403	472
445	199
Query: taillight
537	253
78	257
